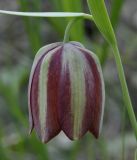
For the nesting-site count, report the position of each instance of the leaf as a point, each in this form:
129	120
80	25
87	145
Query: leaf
114	17
101	18
44	14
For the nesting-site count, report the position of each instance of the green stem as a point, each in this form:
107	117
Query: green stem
68	29
135	155
123	133
114	17
126	96
71	23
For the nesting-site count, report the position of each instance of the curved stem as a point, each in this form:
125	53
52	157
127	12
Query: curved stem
68	28
71	23
126	96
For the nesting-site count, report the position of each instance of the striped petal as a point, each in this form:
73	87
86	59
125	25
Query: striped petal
81	92
39	100
48	98
95	97
66	92
37	61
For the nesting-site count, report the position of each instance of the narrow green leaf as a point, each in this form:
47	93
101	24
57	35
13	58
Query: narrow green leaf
44	14
114	17
77	32
101	18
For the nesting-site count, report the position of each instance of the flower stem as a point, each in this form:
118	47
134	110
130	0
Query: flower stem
135	155
68	29
71	23
126	97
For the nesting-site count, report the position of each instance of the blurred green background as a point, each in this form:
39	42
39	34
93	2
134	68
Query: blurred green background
20	38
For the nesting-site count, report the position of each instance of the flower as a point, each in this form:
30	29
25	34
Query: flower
66	92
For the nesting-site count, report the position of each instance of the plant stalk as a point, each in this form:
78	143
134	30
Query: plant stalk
68	29
126	97
70	24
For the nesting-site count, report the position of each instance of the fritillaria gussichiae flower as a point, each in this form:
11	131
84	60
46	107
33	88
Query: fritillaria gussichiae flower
66	92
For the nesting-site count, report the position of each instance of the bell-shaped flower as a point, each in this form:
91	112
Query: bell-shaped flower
66	92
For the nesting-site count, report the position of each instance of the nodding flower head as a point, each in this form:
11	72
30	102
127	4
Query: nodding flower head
66	92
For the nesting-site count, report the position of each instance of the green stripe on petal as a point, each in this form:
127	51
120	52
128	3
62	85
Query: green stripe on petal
43	80
78	66
93	55
39	54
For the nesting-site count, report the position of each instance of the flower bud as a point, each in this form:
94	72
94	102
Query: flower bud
66	92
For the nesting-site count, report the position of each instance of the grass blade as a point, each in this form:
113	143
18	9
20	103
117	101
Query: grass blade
101	18
115	14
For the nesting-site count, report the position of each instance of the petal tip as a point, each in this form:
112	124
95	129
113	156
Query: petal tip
96	134
30	129
43	140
